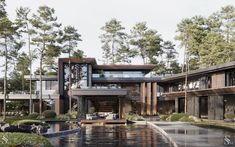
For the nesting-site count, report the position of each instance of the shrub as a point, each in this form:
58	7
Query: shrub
23	139
163	117
177	116
186	119
49	114
72	114
134	117
91	110
51	73
33	115
230	115
63	117
28	122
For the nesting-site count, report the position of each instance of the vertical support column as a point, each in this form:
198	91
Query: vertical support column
142	98
219	111
89	75
176	105
80	108
215	107
196	109
191	105
57	106
211	107
149	98
120	108
154	98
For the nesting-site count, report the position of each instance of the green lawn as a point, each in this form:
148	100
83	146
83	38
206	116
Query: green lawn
23	139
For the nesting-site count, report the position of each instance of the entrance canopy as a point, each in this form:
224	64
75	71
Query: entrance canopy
99	92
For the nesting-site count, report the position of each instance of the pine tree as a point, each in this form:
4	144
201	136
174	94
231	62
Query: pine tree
146	42
115	43
9	43
46	28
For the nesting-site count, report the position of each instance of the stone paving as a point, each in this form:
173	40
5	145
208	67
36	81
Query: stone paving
186	135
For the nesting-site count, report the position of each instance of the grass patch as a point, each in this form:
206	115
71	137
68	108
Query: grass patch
230	115
186	119
23	139
177	116
134	117
28	122
164	117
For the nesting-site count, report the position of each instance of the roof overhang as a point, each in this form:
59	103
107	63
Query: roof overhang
78	60
115	67
200	72
44	77
99	92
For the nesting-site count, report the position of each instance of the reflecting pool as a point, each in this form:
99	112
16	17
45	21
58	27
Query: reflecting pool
186	135
56	127
112	135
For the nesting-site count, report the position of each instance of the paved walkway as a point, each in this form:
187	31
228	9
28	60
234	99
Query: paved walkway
186	135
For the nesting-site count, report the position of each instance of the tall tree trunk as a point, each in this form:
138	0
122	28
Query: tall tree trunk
70	84
30	73
40	101
112	52
186	79
22	81
5	82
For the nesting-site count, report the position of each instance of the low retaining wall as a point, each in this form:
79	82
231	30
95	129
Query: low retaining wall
163	133
60	133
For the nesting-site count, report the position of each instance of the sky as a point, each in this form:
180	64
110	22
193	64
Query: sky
88	16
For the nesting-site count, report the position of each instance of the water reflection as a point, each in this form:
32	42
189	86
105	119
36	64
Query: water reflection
193	136
56	127
112	135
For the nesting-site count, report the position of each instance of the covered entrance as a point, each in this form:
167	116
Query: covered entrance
103	103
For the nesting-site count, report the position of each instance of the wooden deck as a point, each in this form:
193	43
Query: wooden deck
102	121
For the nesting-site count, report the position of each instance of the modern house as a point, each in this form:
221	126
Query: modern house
210	92
132	88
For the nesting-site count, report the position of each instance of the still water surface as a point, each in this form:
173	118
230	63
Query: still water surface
113	135
186	135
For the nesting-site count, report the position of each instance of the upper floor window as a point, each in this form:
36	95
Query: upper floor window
51	85
230	78
119	74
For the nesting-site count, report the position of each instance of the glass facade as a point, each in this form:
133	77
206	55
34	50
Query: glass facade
79	76
230	78
118	74
194	84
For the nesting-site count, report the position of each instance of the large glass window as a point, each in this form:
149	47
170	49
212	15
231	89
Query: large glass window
79	77
230	78
51	85
118	74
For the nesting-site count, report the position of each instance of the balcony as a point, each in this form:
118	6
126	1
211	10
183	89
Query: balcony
123	79
202	92
27	96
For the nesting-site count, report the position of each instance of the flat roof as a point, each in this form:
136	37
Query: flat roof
78	60
125	67
198	72
44	77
